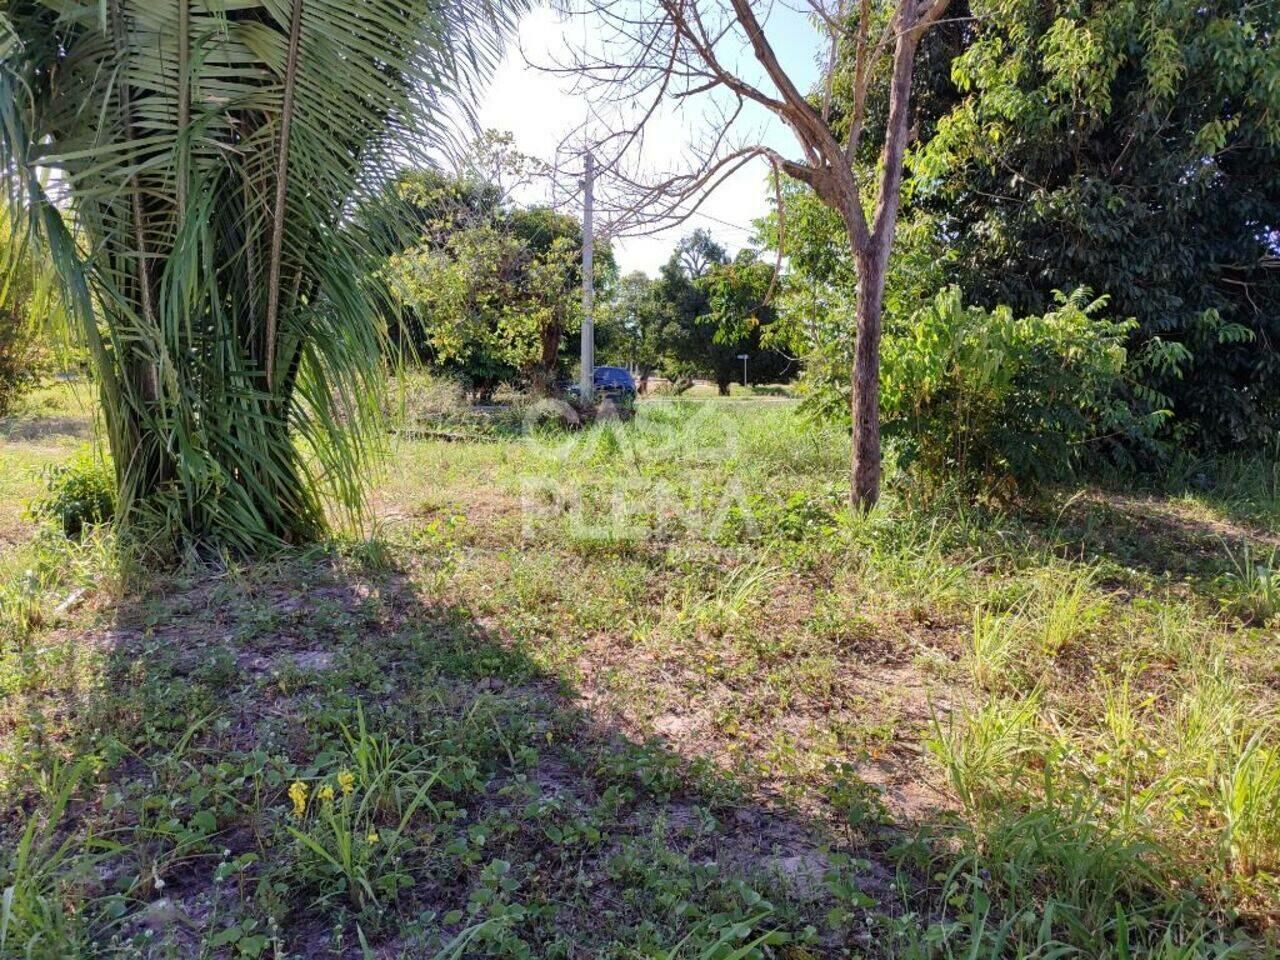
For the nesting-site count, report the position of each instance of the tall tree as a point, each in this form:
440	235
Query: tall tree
492	297
690	335
716	310
679	50
207	155
1131	146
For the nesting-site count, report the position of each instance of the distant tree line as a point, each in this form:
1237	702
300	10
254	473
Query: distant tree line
487	289
701	313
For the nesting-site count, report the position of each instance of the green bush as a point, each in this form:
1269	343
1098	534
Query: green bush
23	360
981	394
78	494
423	401
26	301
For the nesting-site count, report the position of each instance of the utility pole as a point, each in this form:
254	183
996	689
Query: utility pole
587	384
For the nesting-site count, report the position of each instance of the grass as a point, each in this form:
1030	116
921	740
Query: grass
50	423
649	690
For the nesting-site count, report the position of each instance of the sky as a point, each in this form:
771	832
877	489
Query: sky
539	109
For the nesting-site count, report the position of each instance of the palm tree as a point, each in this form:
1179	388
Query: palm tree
190	166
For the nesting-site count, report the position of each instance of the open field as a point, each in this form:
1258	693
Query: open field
649	690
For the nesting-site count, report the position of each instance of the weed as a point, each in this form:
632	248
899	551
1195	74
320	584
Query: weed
995	643
1067	610
1250	803
732	600
986	752
44	884
1056	881
1254	584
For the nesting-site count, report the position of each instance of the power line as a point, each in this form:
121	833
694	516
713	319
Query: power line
724	223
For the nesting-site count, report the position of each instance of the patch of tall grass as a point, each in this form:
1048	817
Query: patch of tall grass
1058	880
46	912
1155	794
1254	582
995	647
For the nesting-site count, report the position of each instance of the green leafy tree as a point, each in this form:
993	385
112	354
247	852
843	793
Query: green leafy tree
208	155
716	310
817	294
486	288
1131	146
631	327
690	334
495	298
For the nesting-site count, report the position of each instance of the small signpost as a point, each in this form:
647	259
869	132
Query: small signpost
743	358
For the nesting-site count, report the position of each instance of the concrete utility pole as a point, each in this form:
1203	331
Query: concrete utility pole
587	384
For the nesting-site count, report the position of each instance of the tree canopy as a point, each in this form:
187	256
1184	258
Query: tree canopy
1131	148
489	287
716	309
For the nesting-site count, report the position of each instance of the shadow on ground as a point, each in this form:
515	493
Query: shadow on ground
545	832
1155	535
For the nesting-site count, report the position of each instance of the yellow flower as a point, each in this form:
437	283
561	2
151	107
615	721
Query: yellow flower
298	794
325	793
347	781
373	836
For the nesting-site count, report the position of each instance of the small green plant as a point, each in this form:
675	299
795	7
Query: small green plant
1067	610
343	850
1058	880
1250	805
21	606
354	825
985	751
733	599
994	643
44	875
78	495
1254	583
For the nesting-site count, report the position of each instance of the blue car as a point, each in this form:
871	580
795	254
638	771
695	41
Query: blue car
615	383
611	383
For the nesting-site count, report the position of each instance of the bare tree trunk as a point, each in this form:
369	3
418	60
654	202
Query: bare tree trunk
872	260
865	471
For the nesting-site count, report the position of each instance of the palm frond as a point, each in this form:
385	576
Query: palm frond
190	167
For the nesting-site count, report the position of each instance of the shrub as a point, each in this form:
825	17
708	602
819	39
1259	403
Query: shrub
982	394
78	494
22	359
423	401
